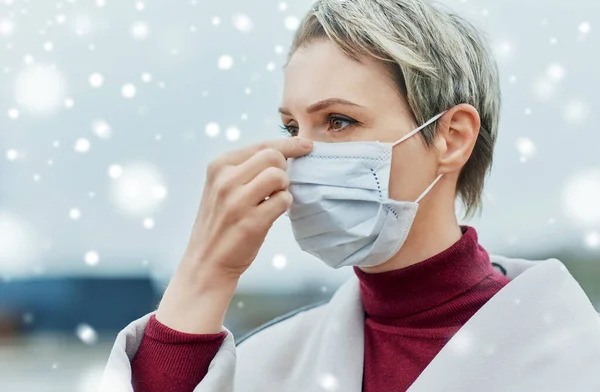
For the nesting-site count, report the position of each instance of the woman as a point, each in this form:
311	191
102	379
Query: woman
393	106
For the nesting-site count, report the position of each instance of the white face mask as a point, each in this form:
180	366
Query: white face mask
342	212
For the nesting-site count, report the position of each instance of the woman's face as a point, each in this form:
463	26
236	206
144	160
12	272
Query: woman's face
328	97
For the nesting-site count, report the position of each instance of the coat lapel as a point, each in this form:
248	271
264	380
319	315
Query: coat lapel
539	333
339	363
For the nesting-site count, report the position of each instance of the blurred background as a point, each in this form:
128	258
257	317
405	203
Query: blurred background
110	111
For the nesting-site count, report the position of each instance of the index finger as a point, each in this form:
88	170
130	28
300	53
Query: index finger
291	147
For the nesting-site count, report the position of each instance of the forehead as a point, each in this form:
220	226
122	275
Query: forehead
320	70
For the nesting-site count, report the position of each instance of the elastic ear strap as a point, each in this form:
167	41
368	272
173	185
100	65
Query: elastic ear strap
429	188
410	134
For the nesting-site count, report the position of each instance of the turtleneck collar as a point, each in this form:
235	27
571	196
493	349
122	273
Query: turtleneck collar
427	284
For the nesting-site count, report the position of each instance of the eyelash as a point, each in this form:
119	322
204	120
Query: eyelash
287	129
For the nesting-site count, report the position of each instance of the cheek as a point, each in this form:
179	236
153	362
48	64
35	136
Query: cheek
412	165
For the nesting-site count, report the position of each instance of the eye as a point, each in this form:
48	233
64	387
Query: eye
289	130
338	123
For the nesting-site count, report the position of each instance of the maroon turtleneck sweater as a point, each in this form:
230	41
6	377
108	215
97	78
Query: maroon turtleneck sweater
410	314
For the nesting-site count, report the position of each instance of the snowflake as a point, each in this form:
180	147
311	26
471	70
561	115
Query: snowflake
40	88
575	112
592	239
96	80
12	155
82	24
91	258
137	189
146	77
86	334
461	342
329	382
291	23
581	195
212	129
7	27
526	148
82	145
556	72
233	134
140	30
225	62
585	28
148	223
115	171
74	214
128	90
13	113
279	261
242	22
102	129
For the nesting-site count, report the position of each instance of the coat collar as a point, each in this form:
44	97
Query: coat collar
540	332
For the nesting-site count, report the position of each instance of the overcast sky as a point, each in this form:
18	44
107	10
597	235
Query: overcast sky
111	110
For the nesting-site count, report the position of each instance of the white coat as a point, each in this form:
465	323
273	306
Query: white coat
538	333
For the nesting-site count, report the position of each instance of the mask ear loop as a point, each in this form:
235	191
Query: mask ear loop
429	188
412	133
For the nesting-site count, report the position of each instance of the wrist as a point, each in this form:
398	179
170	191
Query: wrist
196	301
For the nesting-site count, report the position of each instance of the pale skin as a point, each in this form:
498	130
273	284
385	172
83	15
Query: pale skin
327	97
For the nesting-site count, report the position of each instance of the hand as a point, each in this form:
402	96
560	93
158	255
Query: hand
245	192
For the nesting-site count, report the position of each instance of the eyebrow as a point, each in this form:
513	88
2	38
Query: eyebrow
322	105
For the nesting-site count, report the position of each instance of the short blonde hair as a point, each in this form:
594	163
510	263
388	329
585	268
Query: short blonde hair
436	58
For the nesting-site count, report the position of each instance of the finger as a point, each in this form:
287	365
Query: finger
265	184
290	148
271	209
257	163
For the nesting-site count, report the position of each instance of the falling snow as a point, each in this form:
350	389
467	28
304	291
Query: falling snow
128	90
102	129
233	134
86	334
74	214
291	23
242	22
279	261
585	28
148	223
137	189
12	155
91	258
115	171
96	80
225	62
576	112
329	383
82	145
41	89
526	148
140	31
592	239
212	129
581	195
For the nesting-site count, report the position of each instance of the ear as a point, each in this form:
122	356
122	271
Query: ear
457	134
